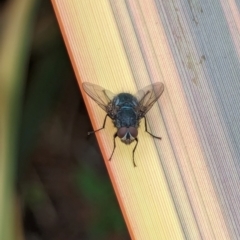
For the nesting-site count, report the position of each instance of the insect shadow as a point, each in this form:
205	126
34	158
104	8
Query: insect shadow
125	110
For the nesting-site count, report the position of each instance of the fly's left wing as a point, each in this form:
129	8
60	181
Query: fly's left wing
147	97
100	95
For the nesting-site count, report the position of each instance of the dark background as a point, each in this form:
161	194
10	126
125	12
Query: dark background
62	181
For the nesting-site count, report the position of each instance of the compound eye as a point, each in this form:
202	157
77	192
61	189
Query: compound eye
133	131
122	132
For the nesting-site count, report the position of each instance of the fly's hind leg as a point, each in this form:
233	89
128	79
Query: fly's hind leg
104	123
114	145
148	131
134	164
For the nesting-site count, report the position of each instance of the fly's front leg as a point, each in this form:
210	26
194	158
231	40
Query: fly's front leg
148	131
104	122
134	164
114	144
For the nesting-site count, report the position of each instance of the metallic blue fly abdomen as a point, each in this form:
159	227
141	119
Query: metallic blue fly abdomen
126	115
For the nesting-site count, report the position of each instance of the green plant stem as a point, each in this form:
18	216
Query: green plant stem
14	53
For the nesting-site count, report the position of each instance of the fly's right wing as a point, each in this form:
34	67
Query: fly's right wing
147	97
100	95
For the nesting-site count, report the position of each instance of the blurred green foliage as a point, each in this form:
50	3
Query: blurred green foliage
97	191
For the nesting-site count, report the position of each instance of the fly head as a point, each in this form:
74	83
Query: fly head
127	134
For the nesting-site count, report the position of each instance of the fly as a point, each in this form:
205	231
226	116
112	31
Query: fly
125	110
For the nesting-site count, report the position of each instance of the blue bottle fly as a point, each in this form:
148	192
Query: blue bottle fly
125	110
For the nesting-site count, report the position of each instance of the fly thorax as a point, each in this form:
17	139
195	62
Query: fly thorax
126	117
125	99
127	134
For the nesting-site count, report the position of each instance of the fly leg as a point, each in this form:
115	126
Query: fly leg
104	122
148	131
114	144
134	164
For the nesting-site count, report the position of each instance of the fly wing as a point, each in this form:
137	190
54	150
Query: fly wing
100	95
147	97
